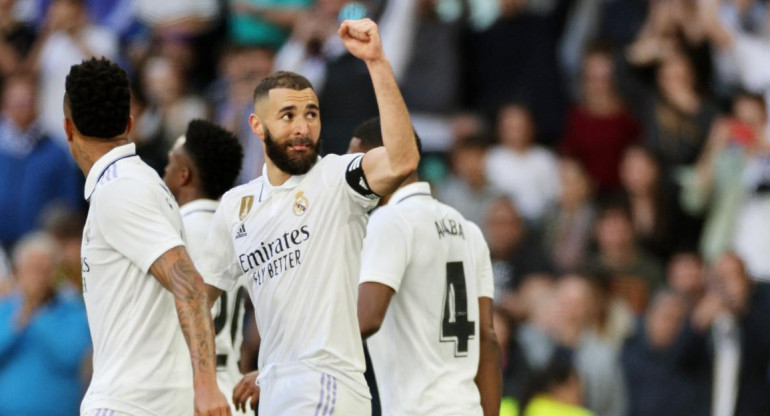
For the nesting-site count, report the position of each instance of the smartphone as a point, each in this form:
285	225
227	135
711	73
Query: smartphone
741	133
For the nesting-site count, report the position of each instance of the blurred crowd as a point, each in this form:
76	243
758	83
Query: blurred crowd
616	154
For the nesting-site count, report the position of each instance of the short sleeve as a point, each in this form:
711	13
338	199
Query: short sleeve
347	171
135	220
485	282
386	248
216	261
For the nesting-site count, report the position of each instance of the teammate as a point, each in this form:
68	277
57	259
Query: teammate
202	165
427	286
132	250
296	233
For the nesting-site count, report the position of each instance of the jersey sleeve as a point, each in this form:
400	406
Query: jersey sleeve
135	220
347	172
216	261
386	248
485	282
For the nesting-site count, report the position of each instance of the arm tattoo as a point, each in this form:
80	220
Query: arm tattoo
177	273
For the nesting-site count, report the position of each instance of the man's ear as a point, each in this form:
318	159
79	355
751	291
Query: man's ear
186	176
130	124
69	130
256	126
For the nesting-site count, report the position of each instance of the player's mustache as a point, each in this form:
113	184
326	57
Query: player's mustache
300	141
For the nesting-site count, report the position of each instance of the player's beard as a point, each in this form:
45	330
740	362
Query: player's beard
293	165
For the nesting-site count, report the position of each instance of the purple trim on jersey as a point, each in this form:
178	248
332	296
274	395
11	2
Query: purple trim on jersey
328	394
334	396
321	396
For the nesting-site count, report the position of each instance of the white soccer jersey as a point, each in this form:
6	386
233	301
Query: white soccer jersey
141	361
426	353
298	244
228	310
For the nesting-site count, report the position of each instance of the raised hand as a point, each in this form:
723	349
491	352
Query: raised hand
362	39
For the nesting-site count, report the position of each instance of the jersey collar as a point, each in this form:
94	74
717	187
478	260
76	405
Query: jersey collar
408	191
290	183
198	205
101	165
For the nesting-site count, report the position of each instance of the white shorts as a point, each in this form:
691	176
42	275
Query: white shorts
104	412
310	393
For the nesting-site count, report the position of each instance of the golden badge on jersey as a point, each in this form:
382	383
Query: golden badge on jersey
300	203
246	203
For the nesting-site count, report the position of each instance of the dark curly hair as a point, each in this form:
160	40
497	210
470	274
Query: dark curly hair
98	97
217	155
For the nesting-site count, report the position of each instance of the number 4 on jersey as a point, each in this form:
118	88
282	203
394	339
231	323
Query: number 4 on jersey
455	326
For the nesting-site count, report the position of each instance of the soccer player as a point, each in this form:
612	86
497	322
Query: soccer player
135	268
296	233
427	287
202	165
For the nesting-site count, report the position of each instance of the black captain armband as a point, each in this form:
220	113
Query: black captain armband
357	180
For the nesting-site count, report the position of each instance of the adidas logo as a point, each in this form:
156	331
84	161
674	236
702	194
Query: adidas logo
241	232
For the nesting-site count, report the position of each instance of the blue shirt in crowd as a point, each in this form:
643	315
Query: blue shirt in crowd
40	364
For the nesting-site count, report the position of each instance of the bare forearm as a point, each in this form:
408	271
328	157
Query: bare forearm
177	273
397	132
489	378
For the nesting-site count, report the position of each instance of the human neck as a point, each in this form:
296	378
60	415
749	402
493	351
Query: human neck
189	194
89	150
275	175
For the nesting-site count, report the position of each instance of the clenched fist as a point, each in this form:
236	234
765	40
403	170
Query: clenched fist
362	39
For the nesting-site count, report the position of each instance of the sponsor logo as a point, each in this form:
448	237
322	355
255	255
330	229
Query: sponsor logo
301	204
241	232
246	203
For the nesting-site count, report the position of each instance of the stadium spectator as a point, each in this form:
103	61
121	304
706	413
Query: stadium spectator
65	225
599	127
467	188
556	390
170	102
16	39
568	224
67	38
231	95
731	336
569	321
643	193
635	273
515	253
685	274
525	171
657	382
720	184
43	336
34	171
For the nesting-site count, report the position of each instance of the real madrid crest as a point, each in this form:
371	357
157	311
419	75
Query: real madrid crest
87	232
300	204
246	203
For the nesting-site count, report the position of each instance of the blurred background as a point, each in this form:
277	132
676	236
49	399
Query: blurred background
616	154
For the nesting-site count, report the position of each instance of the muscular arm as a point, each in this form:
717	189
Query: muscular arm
489	378
175	271
373	301
385	167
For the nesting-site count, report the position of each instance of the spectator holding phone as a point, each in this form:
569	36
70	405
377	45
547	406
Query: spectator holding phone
721	182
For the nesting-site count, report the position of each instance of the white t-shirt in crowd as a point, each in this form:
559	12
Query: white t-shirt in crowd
59	53
228	310
426	354
141	361
299	245
531	179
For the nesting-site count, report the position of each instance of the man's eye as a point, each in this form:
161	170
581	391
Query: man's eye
312	115
286	117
